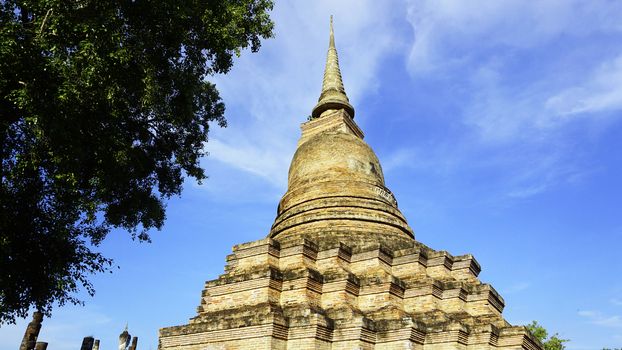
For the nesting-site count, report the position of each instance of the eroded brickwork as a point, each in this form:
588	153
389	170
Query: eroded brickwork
274	296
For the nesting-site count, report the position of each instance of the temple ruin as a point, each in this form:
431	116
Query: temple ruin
340	268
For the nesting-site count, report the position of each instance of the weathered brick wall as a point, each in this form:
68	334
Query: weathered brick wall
297	296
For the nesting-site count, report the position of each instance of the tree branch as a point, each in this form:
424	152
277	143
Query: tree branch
44	20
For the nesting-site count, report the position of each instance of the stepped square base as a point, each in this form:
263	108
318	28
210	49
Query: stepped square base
296	296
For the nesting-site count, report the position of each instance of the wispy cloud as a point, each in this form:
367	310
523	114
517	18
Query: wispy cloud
521	81
600	319
502	108
516	288
447	30
268	163
439	160
616	301
521	170
483	44
528	191
537	172
600	92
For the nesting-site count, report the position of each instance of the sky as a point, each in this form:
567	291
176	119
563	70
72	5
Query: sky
498	125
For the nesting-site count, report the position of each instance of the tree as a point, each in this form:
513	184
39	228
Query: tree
552	343
104	110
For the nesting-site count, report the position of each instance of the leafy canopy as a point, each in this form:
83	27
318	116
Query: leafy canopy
104	108
550	343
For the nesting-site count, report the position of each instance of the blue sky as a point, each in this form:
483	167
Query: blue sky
498	127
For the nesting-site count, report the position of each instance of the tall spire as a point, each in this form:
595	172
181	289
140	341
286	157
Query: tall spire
333	94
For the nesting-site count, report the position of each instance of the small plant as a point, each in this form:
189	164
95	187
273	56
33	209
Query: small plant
550	343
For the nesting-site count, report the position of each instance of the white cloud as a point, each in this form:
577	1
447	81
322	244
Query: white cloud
601	92
522	170
519	72
540	169
499	113
528	191
446	30
439	160
616	302
474	43
516	288
267	162
600	319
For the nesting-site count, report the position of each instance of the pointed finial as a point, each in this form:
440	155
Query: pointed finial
333	94
331	42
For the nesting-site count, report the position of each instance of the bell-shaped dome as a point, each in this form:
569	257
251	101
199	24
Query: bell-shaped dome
334	156
336	191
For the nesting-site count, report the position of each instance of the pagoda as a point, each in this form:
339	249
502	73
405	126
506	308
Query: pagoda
340	268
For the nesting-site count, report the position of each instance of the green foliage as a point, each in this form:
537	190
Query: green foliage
552	343
104	108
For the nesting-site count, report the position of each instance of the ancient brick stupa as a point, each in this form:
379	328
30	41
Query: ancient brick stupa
341	268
